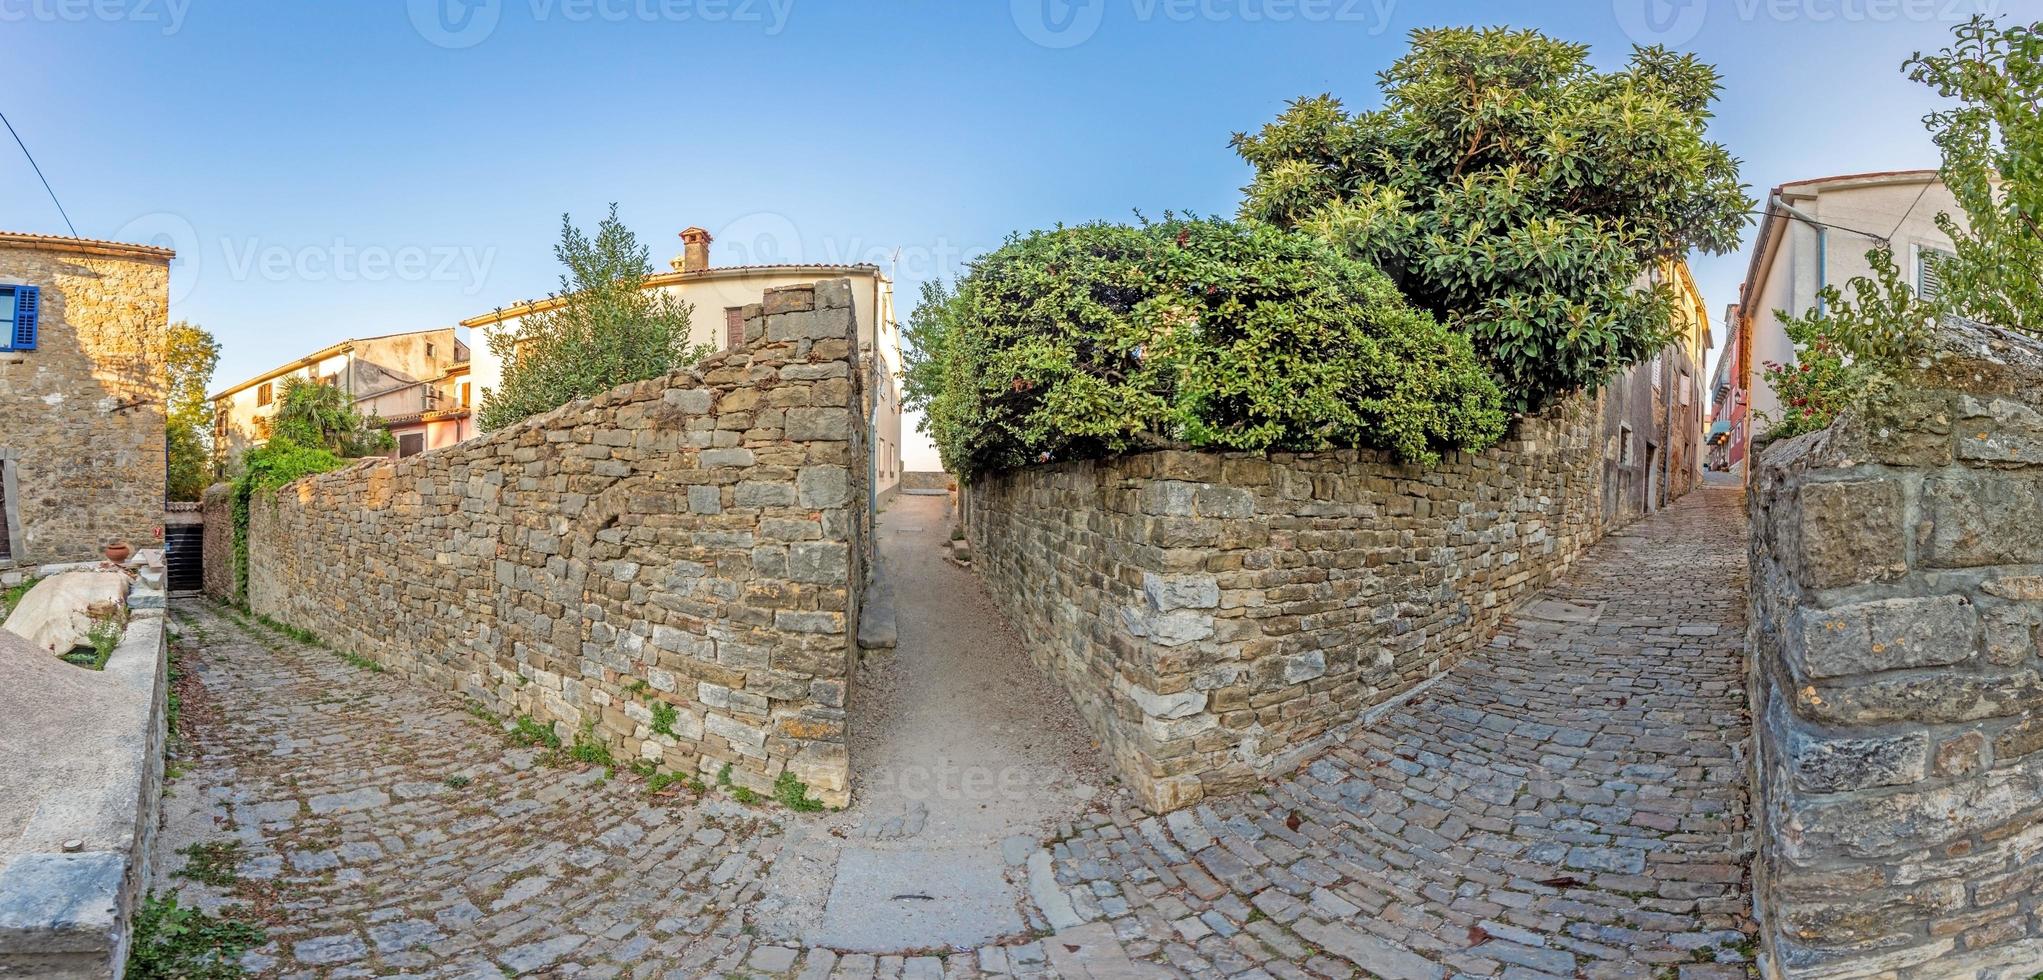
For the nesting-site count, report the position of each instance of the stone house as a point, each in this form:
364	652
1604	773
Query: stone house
1653	412
390	375
717	296
1816	233
82	392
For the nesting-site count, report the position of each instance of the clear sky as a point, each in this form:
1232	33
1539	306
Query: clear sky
353	167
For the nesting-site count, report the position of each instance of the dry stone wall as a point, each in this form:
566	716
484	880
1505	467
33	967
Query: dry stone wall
672	567
1219	618
1897	595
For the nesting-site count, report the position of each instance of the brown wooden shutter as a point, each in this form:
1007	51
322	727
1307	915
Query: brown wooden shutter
734	326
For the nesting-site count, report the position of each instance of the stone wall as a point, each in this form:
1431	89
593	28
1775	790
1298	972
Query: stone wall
1897	594
81	416
217	509
671	567
1218	618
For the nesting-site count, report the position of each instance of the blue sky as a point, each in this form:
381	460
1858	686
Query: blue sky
344	169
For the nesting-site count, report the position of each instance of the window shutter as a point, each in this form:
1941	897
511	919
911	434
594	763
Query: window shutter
27	302
734	326
1929	283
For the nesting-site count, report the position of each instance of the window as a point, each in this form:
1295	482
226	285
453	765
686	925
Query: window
220	423
734	326
1687	389
464	394
1929	280
20	311
429	350
411	444
1657	358
264	394
1624	445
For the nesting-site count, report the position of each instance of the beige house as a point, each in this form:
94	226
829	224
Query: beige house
393	375
82	391
716	295
1816	233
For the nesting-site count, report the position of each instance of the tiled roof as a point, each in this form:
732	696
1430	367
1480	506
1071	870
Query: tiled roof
32	240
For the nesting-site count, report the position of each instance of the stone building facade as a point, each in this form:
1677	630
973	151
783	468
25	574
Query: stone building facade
1896	688
1221	617
82	456
671	568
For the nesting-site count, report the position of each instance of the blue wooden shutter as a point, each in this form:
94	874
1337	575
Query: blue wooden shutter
25	303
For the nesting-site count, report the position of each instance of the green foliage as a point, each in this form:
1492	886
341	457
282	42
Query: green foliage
11	597
590	750
608	330
322	415
1517	193
173	942
190	354
1989	140
215	863
664	716
1087	341
528	732
101	638
739	793
268	467
794	794
1821	383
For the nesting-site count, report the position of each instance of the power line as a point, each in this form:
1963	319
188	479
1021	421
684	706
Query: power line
39	175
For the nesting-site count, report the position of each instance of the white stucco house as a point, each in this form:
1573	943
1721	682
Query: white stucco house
1816	233
715	295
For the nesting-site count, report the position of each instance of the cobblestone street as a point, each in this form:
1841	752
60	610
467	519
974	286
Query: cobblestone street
1568	803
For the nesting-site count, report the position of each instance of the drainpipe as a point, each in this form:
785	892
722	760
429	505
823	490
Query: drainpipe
1822	247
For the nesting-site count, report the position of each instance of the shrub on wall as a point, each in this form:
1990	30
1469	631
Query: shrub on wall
268	467
1087	341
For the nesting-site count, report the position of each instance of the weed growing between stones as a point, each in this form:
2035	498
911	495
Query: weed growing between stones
215	863
664	716
527	732
11	597
739	793
104	636
590	750
172	942
457	782
794	794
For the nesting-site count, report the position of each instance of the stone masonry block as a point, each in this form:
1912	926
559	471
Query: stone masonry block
790	299
818	424
1970	519
1851	531
1884	634
823	486
1835	765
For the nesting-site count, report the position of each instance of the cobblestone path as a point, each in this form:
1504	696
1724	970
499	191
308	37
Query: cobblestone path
1567	804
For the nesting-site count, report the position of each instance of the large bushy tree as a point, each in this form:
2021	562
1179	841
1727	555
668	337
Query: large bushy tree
608	330
1100	339
313	415
189	356
1515	192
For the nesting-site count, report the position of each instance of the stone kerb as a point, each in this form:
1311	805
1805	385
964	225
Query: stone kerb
669	568
1897	595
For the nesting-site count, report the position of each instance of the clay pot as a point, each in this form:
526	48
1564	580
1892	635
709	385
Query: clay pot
119	551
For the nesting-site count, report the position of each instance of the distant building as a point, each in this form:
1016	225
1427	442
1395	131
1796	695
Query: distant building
1815	233
429	414
716	295
1653	412
82	392
393	375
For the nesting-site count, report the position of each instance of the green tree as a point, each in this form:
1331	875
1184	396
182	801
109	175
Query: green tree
608	330
1989	138
321	416
1516	193
189	356
1992	145
1099	339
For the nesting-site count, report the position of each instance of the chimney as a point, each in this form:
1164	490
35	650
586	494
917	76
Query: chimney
694	251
